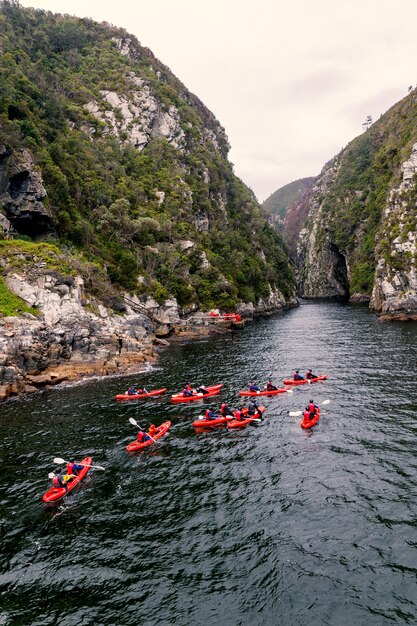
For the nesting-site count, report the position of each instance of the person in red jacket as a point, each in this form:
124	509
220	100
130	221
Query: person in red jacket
297	375
225	410
312	409
142	436
74	468
188	391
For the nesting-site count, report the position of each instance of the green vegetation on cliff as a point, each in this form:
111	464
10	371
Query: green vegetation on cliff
366	170
130	212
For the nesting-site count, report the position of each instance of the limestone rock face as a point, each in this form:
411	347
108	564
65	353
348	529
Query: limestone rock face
395	291
22	193
322	267
138	117
68	340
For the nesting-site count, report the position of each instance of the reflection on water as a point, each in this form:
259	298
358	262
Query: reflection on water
268	525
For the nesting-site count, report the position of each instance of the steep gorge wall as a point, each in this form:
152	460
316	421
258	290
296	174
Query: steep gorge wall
359	238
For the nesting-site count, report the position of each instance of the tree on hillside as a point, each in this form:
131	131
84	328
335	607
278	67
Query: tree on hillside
367	123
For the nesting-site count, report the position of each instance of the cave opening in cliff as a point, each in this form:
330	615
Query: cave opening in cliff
340	272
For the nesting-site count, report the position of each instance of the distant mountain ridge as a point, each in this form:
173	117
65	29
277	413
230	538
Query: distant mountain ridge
283	198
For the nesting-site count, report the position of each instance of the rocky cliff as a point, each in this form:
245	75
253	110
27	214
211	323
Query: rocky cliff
105	150
358	239
120	214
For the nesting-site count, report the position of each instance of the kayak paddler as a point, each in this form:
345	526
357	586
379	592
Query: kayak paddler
131	391
74	468
225	410
153	430
187	391
253	410
141	390
143	436
310	375
210	415
270	387
312	409
60	480
202	389
254	388
297	375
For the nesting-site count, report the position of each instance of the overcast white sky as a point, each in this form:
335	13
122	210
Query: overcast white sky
291	81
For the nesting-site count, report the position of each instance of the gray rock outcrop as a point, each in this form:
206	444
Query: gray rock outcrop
22	194
395	291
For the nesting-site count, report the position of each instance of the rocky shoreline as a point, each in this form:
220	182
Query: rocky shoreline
75	337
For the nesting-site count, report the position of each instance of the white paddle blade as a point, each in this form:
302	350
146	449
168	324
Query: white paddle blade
201	417
326	402
59	461
133	421
51	475
295	413
290	391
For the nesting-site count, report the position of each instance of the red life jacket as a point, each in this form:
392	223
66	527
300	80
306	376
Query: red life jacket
69	468
55	482
306	415
207	414
312	408
295	376
140	436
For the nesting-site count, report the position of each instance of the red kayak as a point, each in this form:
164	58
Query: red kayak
204	423
242	423
136	396
214	390
305	381
307	423
57	493
136	445
274	392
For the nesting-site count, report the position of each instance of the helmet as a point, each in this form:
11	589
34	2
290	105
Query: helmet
311	401
310	370
296	371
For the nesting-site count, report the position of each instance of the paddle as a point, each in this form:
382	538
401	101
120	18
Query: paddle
60	461
134	422
298	413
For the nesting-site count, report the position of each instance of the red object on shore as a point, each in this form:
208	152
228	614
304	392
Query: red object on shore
57	493
136	445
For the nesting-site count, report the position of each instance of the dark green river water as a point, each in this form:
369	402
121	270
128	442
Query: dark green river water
267	526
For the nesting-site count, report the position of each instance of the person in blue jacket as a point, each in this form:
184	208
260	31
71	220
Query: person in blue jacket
254	388
297	375
210	415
